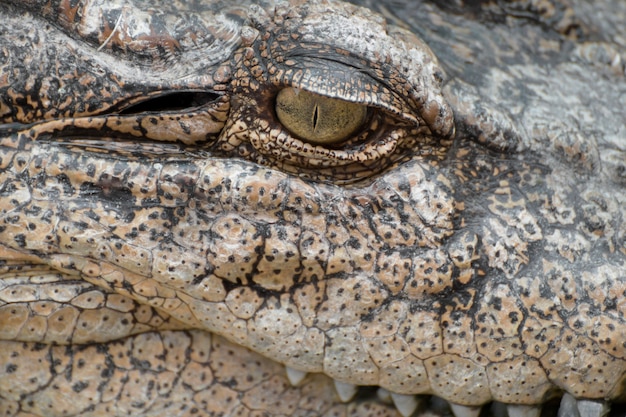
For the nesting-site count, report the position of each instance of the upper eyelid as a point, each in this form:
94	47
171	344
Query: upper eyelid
345	78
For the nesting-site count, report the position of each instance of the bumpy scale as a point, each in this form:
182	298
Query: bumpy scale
169	247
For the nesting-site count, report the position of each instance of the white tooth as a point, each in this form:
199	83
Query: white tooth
346	391
384	395
568	407
516	410
464	411
589	408
406	404
295	376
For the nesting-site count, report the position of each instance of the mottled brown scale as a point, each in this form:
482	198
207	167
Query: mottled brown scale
168	246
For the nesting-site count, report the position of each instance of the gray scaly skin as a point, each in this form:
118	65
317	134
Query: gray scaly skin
166	245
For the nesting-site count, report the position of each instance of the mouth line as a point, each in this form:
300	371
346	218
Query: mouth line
408	405
560	404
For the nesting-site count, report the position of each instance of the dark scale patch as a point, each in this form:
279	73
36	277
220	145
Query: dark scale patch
354	243
32	211
79	386
20	240
90	170
81	225
186	129
141	364
496	303
170	216
108	195
92	215
12	219
150	202
66	184
7	189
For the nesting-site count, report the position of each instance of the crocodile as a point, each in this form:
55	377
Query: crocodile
312	208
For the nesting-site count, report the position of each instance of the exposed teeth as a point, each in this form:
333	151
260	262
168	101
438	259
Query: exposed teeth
464	411
406	404
570	407
384	395
516	410
588	408
346	391
295	376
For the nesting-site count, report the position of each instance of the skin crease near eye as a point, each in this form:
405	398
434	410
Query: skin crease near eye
317	119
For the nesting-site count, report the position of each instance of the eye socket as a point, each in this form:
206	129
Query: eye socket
317	119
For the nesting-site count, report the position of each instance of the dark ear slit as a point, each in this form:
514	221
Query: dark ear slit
174	101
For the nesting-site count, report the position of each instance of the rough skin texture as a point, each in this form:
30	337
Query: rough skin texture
166	246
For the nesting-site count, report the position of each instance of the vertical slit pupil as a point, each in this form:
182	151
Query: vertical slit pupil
315	116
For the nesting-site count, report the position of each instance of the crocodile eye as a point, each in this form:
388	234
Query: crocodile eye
317	119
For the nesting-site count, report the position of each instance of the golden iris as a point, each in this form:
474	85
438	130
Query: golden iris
317	119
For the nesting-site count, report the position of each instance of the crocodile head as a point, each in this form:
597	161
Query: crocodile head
184	190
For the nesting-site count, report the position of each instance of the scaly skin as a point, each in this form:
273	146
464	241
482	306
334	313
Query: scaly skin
469	242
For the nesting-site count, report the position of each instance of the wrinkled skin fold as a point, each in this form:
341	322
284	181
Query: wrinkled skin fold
167	247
